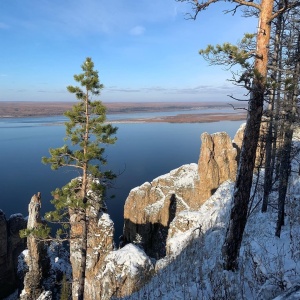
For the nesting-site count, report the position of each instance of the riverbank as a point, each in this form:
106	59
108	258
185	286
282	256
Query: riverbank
44	109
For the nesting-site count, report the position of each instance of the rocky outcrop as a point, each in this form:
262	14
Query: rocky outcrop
100	242
191	224
122	272
11	245
150	208
43	264
155	214
109	272
37	260
217	163
260	151
238	138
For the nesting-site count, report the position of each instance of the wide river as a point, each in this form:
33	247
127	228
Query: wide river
143	151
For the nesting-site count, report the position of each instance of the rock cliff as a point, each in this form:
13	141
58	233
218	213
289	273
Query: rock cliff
109	272
217	163
154	215
150	208
11	245
100	243
122	272
42	265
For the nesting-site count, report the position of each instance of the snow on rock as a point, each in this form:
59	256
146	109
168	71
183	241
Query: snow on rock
123	272
150	208
45	296
268	266
23	264
58	267
99	243
189	224
105	220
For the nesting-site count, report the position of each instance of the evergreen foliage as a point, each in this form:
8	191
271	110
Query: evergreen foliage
41	232
86	133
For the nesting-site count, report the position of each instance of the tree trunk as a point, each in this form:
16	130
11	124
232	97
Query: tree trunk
238	216
81	279
284	173
270	138
285	163
84	200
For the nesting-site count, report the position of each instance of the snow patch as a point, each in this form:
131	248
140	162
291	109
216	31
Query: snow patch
105	220
130	257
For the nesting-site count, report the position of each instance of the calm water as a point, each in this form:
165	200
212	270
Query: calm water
143	151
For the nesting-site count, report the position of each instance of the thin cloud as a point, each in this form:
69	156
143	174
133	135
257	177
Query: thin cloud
137	30
198	90
96	17
155	89
123	90
4	26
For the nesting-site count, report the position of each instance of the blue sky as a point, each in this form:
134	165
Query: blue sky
144	50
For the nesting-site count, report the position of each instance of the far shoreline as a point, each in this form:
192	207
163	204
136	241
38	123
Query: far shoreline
48	109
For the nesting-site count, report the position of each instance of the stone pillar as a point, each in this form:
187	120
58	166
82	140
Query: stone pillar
36	259
217	163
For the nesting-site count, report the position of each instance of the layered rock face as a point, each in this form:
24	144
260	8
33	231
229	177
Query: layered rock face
11	245
217	163
150	208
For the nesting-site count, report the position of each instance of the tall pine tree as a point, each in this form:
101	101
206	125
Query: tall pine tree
86	133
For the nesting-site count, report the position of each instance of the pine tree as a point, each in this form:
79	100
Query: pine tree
238	217
86	133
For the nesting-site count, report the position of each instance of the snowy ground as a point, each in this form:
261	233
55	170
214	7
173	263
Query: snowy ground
268	265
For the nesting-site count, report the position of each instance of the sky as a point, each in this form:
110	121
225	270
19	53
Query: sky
144	50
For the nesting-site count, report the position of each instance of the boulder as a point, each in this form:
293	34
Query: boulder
122	272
